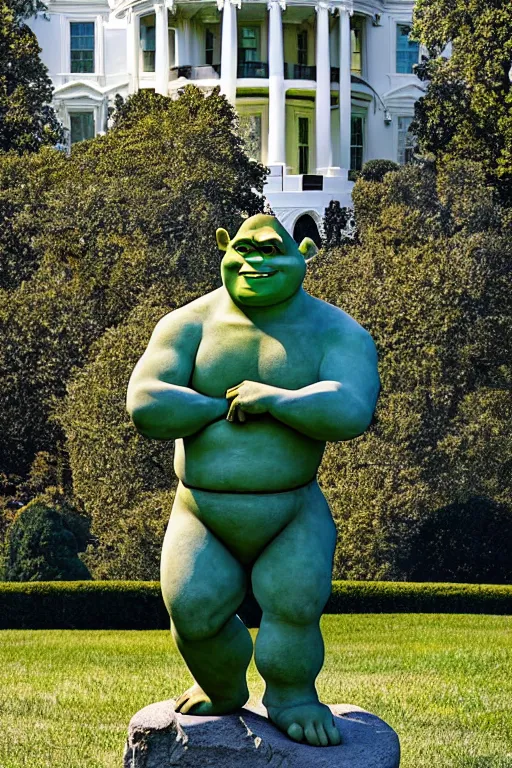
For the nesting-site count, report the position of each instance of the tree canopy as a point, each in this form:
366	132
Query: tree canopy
122	228
430	279
27	119
467	110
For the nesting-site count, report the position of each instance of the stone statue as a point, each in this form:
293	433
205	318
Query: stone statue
251	380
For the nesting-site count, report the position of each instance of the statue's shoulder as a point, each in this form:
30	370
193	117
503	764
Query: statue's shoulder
187	320
337	326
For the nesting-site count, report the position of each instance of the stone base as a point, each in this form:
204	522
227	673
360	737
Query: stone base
158	737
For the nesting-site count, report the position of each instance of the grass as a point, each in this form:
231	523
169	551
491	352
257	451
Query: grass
444	682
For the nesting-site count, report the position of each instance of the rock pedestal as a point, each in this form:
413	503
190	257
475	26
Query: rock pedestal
158	737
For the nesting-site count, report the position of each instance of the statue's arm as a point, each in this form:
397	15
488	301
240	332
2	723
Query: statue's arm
159	400
340	406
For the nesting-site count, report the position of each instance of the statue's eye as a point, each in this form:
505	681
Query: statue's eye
243	249
268	250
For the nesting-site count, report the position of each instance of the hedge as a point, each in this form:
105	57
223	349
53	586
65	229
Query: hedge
139	605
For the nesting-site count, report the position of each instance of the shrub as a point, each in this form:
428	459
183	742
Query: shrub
375	170
43	542
139	605
466	541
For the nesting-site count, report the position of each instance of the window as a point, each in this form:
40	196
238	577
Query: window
82	126
172	47
250	131
248	44
147	42
209	47
406	140
302	47
303	126
356	142
407	51
82	46
356	45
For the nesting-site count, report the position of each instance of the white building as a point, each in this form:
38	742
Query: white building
320	86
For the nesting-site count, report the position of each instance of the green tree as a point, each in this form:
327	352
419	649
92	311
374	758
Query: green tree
430	280
120	232
127	213
125	481
467	110
43	543
27	121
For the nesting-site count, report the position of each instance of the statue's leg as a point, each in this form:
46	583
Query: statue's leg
203	585
292	582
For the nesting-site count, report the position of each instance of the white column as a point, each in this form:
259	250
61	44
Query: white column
133	50
183	43
162	50
276	87
345	89
100	44
323	91
229	49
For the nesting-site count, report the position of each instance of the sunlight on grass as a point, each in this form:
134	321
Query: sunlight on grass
443	682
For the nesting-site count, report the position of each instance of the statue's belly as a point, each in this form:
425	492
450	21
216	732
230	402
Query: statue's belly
247	522
260	455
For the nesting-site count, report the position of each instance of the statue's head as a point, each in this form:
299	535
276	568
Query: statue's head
263	265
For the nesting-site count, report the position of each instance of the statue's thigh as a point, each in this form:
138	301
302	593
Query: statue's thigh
292	577
199	577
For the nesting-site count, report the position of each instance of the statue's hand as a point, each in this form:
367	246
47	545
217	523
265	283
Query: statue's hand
249	397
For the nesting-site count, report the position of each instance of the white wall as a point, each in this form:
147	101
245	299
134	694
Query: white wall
115	51
48	35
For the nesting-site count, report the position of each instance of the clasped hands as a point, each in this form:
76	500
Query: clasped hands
250	397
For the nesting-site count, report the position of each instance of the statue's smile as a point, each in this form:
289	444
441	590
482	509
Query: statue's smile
256	275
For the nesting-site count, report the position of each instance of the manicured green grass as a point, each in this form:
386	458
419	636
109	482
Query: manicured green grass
444	682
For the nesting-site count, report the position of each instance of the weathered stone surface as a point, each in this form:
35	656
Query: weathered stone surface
158	737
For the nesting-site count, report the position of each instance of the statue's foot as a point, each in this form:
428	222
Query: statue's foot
195	702
312	723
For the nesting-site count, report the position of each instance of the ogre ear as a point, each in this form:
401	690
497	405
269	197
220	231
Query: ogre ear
308	249
222	239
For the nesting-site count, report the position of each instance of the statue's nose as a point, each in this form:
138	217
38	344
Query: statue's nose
254	258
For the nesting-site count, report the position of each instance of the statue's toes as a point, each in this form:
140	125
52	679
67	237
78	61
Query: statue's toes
295	732
321	735
333	734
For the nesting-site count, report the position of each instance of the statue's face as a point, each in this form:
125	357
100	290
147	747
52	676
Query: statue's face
262	265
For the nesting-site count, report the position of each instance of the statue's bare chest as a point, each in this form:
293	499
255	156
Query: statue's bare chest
231	352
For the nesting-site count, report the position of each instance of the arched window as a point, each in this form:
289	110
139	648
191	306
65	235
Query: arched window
305	227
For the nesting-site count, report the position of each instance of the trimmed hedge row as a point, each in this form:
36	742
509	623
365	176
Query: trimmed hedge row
139	605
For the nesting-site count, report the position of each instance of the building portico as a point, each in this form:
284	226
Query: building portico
320	86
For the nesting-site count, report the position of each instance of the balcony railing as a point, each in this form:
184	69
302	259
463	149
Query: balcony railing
252	69
299	72
335	74
204	72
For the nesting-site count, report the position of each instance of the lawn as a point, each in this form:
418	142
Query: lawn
444	682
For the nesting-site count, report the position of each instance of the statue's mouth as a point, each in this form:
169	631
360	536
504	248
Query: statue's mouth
257	275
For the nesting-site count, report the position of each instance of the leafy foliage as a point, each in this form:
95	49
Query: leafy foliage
430	280
27	121
467	111
106	242
128	216
469	541
375	170
43	543
339	225
139	604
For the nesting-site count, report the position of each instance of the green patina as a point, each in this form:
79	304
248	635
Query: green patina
251	381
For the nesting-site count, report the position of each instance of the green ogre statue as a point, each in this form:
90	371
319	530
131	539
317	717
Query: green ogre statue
251	380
